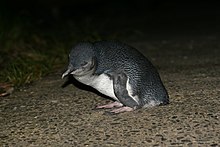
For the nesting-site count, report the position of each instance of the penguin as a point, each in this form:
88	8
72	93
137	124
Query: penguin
118	71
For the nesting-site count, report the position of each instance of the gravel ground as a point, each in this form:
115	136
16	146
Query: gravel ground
45	114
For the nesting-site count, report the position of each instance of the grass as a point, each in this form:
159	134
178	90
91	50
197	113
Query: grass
22	63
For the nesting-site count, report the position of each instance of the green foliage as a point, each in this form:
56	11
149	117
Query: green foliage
23	71
29	64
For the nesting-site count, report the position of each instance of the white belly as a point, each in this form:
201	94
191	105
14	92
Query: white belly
102	83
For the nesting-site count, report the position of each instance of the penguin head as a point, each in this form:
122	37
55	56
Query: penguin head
81	60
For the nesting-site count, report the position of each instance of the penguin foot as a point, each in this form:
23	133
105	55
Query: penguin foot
110	105
122	109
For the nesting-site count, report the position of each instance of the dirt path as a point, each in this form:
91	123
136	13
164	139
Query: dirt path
45	114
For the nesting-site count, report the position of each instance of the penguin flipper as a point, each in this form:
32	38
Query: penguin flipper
119	86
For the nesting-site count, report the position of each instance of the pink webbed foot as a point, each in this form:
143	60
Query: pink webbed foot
122	109
110	105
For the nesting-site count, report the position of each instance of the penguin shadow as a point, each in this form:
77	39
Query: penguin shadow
72	81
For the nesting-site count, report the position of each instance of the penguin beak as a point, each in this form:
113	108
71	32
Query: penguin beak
67	72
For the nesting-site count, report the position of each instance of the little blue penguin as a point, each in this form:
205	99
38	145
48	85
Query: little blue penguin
118	71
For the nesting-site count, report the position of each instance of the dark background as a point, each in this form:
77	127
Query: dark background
142	16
